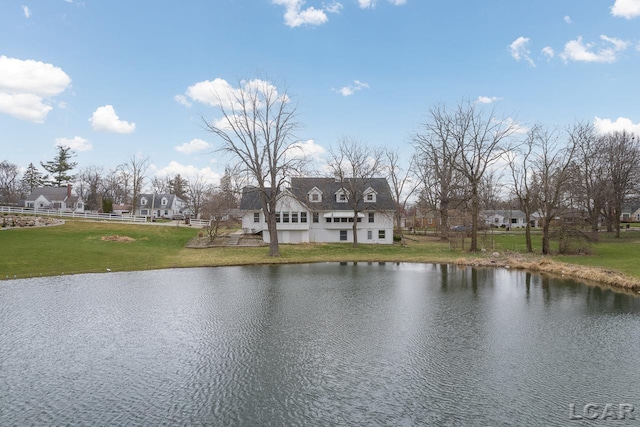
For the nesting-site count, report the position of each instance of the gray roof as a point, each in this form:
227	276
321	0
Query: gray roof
300	187
157	200
506	213
57	194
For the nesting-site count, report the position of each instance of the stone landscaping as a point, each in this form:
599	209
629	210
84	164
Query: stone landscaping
18	221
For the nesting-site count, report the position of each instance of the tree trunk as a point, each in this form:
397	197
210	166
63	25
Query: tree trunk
355	229
475	211
527	231
545	237
444	220
272	226
617	212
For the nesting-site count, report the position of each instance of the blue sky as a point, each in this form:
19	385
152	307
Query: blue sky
119	78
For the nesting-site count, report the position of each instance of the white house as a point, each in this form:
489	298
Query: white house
58	198
159	205
317	210
512	218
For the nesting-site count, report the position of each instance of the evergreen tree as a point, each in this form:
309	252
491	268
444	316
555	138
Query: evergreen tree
33	178
60	165
179	186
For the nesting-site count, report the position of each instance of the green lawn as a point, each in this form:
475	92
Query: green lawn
77	247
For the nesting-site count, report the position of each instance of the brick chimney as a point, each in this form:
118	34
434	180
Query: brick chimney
68	191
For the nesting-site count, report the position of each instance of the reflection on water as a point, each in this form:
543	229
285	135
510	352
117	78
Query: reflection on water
391	344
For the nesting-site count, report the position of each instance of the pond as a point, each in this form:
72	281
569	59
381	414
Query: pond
317	344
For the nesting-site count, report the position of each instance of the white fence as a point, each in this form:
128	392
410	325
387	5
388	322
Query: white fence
199	222
66	214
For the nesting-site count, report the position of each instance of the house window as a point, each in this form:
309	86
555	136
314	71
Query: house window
256	217
314	197
164	201
316	217
294	216
369	235
371	217
143	201
343	235
381	234
277	216
144	212
303	217
328	219
430	221
514	220
342	197
285	216
344	219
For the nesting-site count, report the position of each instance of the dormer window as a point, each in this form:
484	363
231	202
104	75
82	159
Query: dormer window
164	201
143	201
370	195
315	195
341	196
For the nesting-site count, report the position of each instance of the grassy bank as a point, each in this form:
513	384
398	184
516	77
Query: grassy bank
81	247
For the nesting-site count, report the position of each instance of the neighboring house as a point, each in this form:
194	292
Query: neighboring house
512	218
159	205
121	209
317	210
635	216
58	198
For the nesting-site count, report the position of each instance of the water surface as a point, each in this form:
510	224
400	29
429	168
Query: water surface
318	344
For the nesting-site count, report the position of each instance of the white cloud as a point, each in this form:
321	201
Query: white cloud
193	146
24	84
369	4
105	119
219	93
189	172
519	50
626	8
577	50
518	129
27	12
568	19
295	15
76	143
24	106
548	51
181	99
487	99
621	124
307	149
351	89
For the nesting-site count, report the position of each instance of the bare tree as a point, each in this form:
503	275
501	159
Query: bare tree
134	174
436	155
115	186
552	173
522	180
356	166
199	191
161	185
589	173
473	141
89	186
403	183
9	182
257	130
622	155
